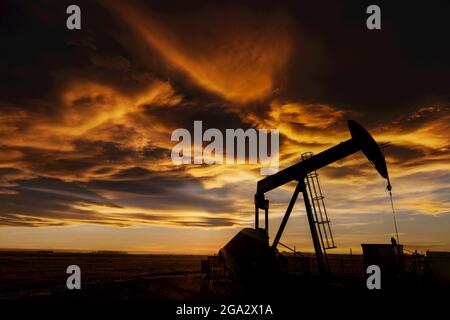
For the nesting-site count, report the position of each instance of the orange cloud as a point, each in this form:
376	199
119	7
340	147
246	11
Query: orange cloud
237	60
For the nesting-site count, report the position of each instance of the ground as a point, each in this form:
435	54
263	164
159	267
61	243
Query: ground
41	275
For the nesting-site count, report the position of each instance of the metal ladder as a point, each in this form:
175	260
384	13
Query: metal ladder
322	222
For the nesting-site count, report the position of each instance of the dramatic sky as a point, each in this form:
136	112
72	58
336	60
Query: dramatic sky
86	118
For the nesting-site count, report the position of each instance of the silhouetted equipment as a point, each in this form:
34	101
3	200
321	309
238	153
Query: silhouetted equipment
393	241
321	220
248	255
389	257
250	251
304	172
389	188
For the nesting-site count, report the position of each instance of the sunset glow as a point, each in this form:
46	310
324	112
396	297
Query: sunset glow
85	138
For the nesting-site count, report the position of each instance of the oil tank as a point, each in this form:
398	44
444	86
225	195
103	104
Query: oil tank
389	257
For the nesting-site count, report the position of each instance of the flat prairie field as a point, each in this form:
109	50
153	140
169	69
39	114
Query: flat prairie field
42	275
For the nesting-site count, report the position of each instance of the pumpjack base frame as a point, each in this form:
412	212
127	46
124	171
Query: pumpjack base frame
262	203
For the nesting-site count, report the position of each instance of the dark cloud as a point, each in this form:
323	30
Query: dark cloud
45	201
183	116
400	153
86	157
342	172
382	73
147	183
174	190
52	202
